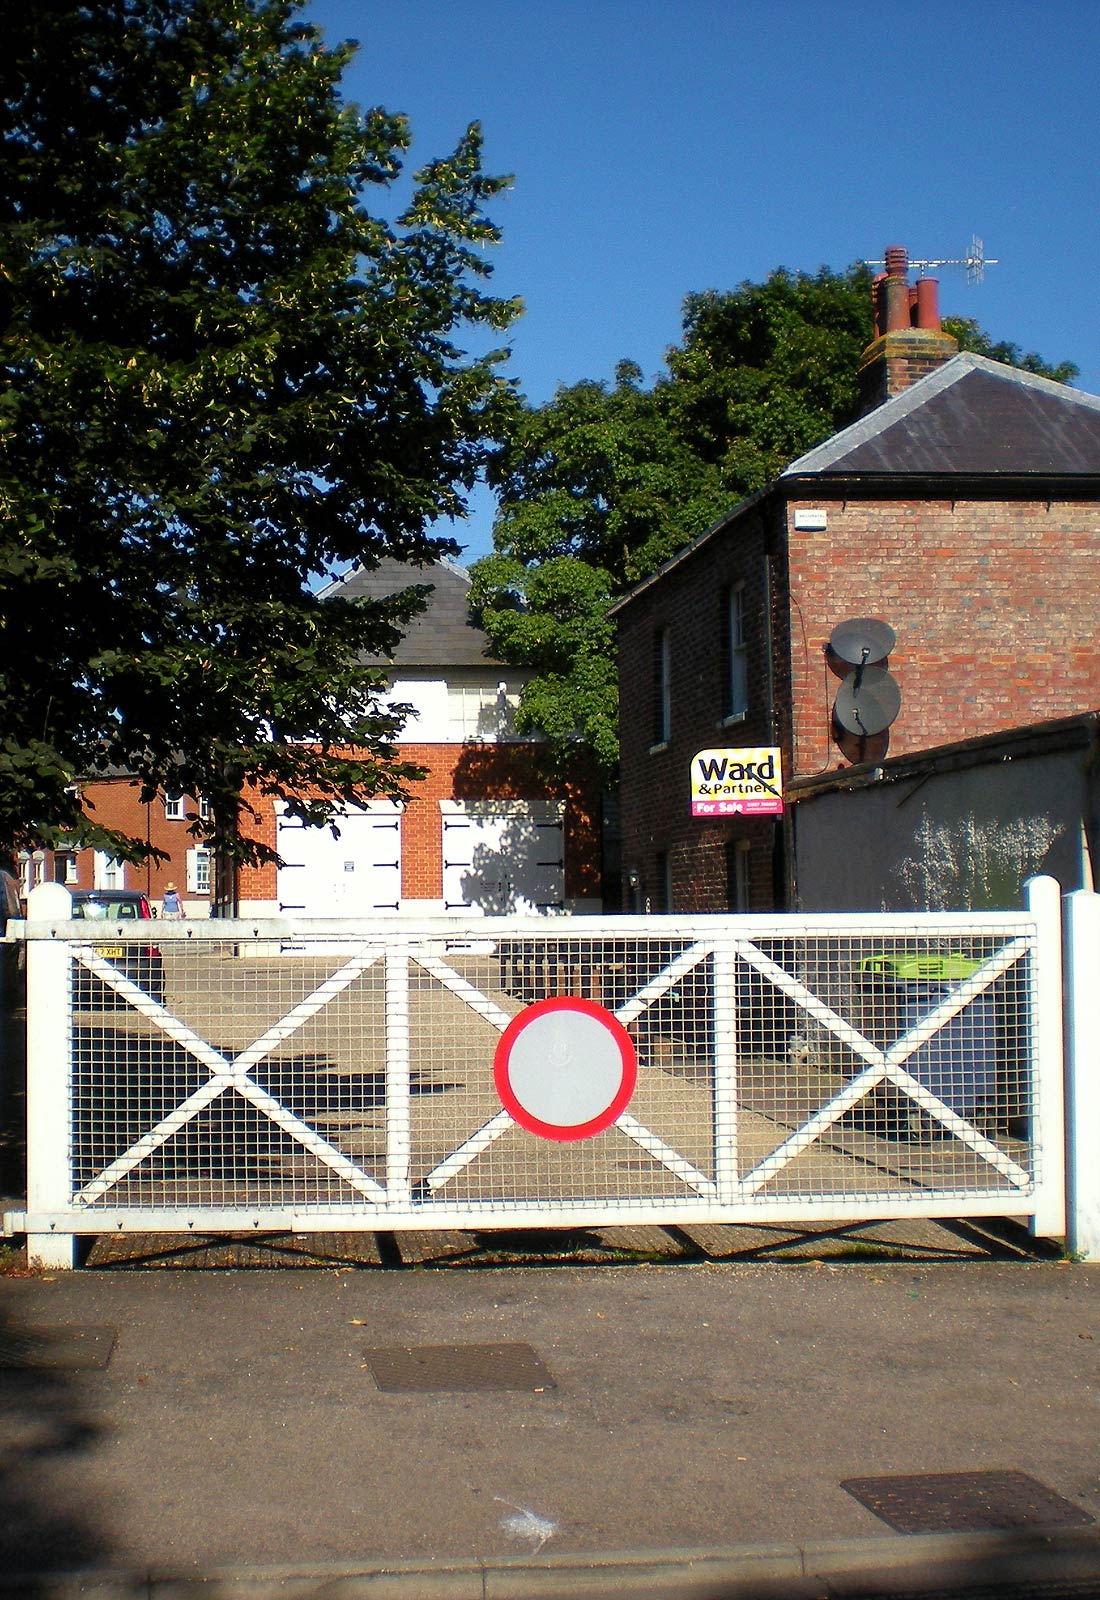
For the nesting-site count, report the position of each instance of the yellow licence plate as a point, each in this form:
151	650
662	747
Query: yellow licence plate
110	952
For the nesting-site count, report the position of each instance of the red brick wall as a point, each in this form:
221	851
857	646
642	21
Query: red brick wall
488	772
655	783
993	603
116	803
463	772
258	883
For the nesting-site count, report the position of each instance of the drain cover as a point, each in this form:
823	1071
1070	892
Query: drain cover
457	1368
55	1349
964	1502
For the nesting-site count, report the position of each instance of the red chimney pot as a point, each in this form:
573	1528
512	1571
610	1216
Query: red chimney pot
928	303
895	289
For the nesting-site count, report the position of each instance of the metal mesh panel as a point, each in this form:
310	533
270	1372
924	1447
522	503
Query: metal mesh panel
870	1065
495	1161
247	1076
802	1063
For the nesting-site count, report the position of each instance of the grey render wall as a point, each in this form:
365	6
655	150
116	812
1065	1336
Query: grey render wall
956	840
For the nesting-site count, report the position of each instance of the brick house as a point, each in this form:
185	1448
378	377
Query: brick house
484	832
114	799
962	508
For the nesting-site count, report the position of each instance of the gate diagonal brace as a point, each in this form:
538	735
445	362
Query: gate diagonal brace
144	1003
662	982
808	1002
676	1164
227	1075
641	1135
468	1151
450	979
308	1008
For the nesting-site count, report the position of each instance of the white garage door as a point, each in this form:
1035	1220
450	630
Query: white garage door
496	863
356	875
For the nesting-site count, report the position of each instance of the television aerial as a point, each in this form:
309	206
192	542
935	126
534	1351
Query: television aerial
975	261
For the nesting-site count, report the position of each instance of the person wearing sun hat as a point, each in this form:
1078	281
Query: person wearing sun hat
172	905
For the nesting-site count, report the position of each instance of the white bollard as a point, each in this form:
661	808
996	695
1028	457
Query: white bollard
1083	1073
49	1048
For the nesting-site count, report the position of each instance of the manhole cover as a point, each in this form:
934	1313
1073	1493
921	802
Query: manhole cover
964	1502
55	1349
457	1368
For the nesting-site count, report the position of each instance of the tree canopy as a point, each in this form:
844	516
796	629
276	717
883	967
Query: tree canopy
221	375
603	483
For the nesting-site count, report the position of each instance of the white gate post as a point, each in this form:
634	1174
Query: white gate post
1044	901
49	1076
1083	1072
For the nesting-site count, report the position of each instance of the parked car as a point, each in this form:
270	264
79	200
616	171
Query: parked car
10	906
142	963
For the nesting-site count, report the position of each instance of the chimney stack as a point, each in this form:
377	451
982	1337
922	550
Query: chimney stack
909	340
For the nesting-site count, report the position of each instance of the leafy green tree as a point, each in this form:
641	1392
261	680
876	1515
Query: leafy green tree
221	375
973	338
601	485
596	490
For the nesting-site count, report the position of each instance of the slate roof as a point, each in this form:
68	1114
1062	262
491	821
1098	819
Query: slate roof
970	417
442	635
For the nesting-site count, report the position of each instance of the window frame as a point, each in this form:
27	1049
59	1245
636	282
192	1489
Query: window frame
739	875
108	872
65	867
735	655
200	875
662	689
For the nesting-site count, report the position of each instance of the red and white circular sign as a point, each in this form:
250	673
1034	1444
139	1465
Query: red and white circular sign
565	1068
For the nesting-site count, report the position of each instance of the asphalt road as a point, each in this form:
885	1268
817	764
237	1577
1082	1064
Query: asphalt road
238	1422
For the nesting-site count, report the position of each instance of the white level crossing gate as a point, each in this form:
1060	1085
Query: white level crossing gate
327	1076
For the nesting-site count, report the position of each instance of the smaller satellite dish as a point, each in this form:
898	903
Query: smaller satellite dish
867	702
856	749
861	642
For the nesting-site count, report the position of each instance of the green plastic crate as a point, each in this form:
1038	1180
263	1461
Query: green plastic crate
946	967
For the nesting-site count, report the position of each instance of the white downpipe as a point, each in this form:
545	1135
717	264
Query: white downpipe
1044	901
49	1077
1083	1073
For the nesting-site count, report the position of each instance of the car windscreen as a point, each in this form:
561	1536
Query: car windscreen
111	910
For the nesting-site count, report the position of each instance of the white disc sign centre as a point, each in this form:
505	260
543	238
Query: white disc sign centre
565	1068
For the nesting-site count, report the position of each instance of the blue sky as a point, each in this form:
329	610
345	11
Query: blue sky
664	146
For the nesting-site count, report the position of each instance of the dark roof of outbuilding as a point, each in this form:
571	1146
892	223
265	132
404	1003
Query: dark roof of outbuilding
970	417
443	634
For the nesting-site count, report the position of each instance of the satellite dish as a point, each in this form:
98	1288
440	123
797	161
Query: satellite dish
860	642
867	702
855	748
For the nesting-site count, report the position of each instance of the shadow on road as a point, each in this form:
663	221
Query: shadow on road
46	1433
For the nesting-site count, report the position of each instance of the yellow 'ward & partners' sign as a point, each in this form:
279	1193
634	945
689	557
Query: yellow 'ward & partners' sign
727	783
